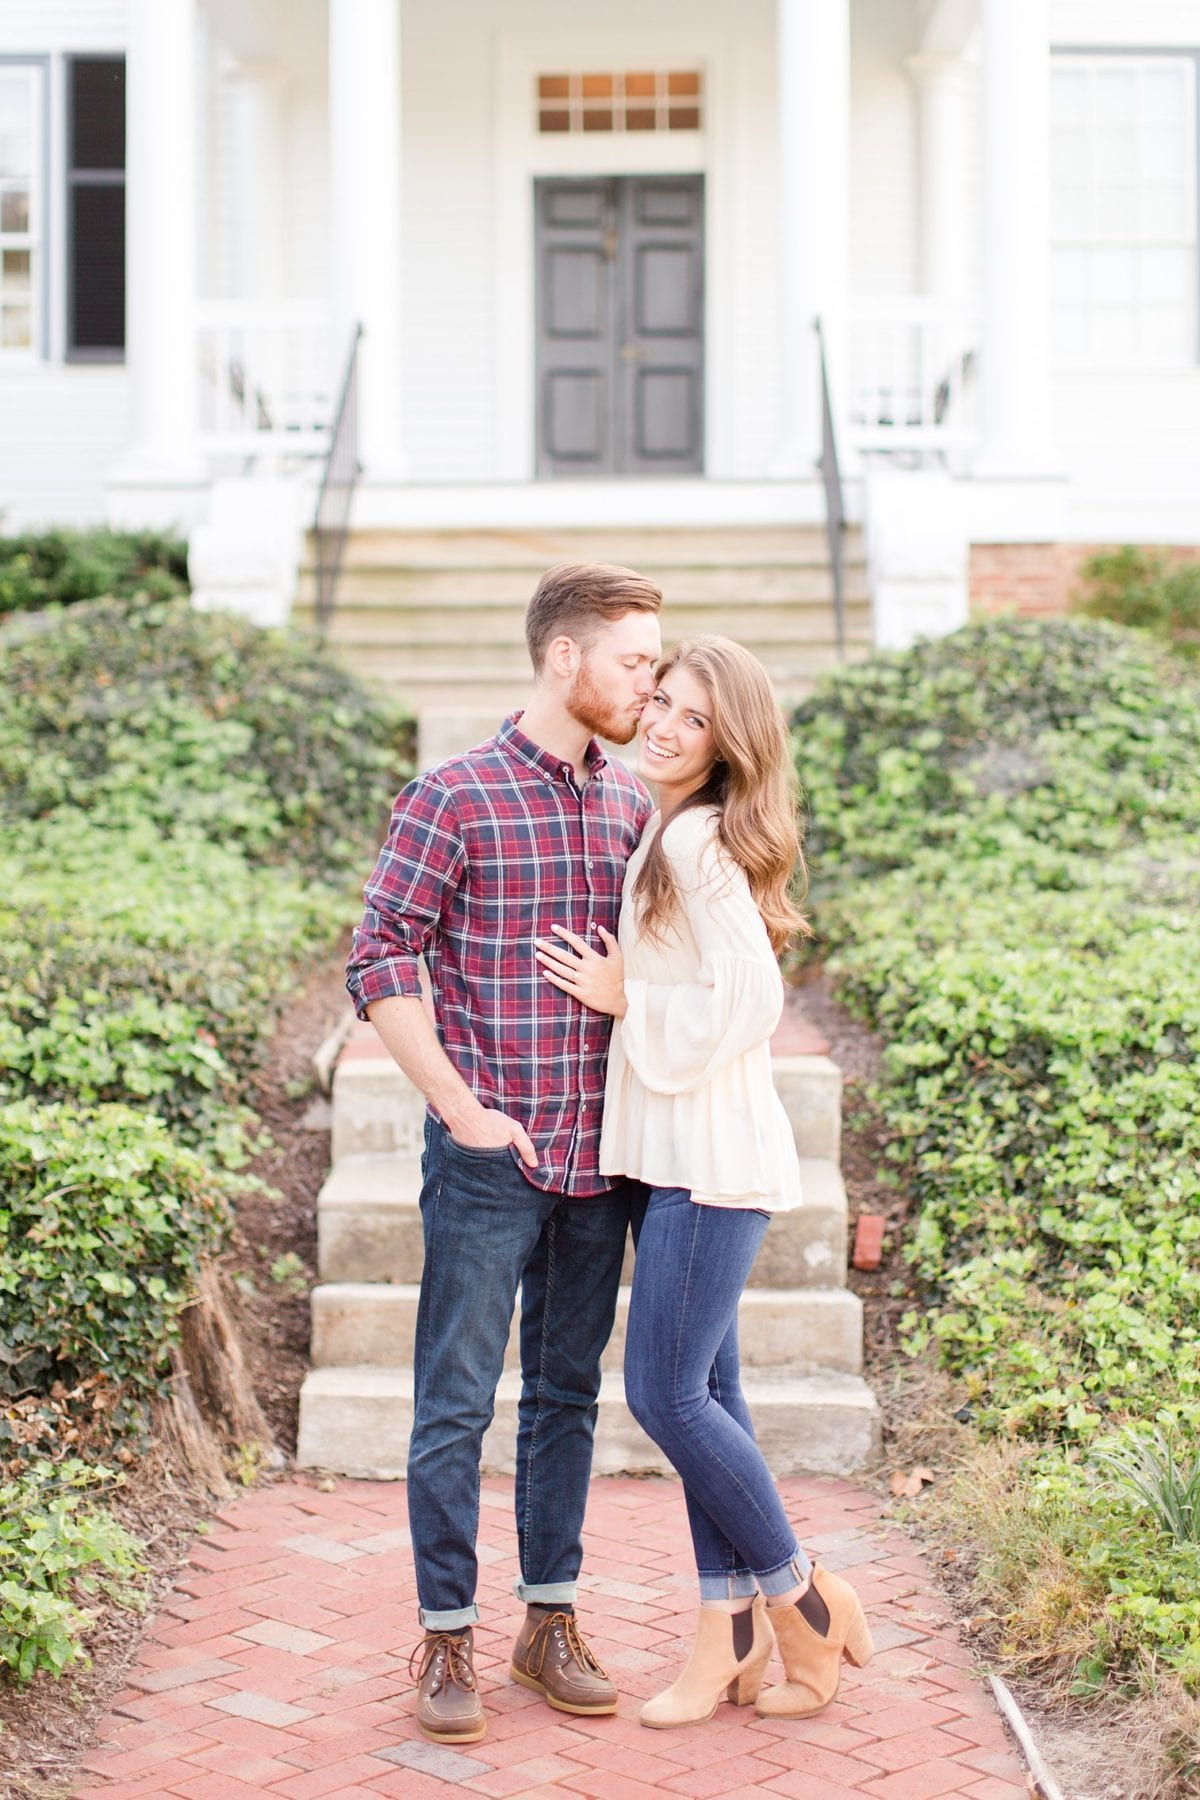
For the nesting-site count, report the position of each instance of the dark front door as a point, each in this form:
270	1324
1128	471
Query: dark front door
620	325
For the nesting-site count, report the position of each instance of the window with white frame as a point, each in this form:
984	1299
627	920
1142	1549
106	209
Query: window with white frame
1124	210
20	206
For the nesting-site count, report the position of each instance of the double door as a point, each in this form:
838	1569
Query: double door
620	325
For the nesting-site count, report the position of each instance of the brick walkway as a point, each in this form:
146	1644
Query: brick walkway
278	1666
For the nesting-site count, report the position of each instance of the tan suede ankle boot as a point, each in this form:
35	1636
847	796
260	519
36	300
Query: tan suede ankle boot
713	1671
812	1663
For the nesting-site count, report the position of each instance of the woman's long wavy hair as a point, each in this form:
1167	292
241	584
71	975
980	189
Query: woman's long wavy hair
752	784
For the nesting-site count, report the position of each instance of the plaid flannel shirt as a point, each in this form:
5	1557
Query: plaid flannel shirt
485	853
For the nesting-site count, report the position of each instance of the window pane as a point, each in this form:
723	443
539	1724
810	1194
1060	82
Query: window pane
16	327
1071	212
1169	332
1167	276
1114	338
14	209
15	271
1069	96
16	125
1115	154
1164	95
1164	152
1070	152
97	112
1164	211
1116	213
1115	96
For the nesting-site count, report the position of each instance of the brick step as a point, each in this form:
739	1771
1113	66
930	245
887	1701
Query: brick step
463	593
377	1109
804	1330
641	547
355	1421
369	1225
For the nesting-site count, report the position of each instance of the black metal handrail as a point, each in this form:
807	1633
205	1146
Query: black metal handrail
338	480
835	508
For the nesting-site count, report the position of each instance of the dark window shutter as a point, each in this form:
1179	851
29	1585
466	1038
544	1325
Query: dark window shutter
96	207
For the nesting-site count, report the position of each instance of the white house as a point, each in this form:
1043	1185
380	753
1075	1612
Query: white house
586	247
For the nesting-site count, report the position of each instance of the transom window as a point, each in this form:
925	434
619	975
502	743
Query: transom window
1124	209
637	100
20	206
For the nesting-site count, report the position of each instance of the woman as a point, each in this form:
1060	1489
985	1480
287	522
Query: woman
691	1110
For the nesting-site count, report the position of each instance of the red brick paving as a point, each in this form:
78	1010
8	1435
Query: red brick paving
278	1665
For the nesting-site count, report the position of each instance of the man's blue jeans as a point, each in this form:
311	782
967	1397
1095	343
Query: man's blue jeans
488	1232
683	1386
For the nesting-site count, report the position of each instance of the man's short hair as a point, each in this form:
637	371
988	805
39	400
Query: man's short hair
577	600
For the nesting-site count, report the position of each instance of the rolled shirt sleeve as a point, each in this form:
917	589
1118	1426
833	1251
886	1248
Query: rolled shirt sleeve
418	870
676	1037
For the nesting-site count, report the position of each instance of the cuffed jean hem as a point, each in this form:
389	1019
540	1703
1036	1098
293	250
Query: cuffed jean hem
790	1574
455	1620
546	1593
739	1586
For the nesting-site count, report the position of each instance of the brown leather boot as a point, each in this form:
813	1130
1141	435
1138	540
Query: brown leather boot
550	1657
812	1663
449	1710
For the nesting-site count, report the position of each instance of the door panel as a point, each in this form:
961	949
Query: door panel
620	338
576	337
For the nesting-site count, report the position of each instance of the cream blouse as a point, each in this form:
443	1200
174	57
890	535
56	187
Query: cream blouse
690	1100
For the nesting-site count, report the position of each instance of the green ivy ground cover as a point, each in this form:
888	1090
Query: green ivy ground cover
1006	831
185	803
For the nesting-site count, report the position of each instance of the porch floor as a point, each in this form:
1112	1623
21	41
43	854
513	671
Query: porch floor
278	1665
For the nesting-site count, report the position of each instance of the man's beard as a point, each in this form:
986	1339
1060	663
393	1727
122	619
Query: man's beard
588	705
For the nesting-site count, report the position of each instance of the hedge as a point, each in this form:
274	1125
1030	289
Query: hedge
186	804
1004	832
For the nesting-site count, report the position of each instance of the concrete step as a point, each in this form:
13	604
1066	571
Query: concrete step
369	1225
376	1108
805	1330
794	670
502	594
646	548
356	1421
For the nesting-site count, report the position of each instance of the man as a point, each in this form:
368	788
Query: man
487	852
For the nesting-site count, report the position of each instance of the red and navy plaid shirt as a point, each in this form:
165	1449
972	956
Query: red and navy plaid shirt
485	853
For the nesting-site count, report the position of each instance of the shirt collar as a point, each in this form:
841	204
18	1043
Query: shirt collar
510	737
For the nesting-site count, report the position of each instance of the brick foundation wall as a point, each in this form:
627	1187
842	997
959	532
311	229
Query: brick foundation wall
1035	579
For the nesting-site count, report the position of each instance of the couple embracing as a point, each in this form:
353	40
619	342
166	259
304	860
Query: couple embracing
605	983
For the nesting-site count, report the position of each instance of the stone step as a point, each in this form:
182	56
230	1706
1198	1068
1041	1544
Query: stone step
803	1330
369	1225
355	1421
376	1108
646	548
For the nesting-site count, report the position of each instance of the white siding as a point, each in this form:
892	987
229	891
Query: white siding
884	240
61	428
36	26
1148	24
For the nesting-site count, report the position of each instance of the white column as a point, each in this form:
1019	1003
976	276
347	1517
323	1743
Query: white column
257	215
161	238
1015	363
946	151
813	63
364	157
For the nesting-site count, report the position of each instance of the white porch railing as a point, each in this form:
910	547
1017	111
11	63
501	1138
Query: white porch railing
266	377
912	365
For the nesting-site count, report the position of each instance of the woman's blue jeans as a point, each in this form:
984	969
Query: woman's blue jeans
682	1384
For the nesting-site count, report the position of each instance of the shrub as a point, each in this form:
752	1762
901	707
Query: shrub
146	969
103	1221
53	1549
150	712
1072	733
40	569
1004	829
1144	589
